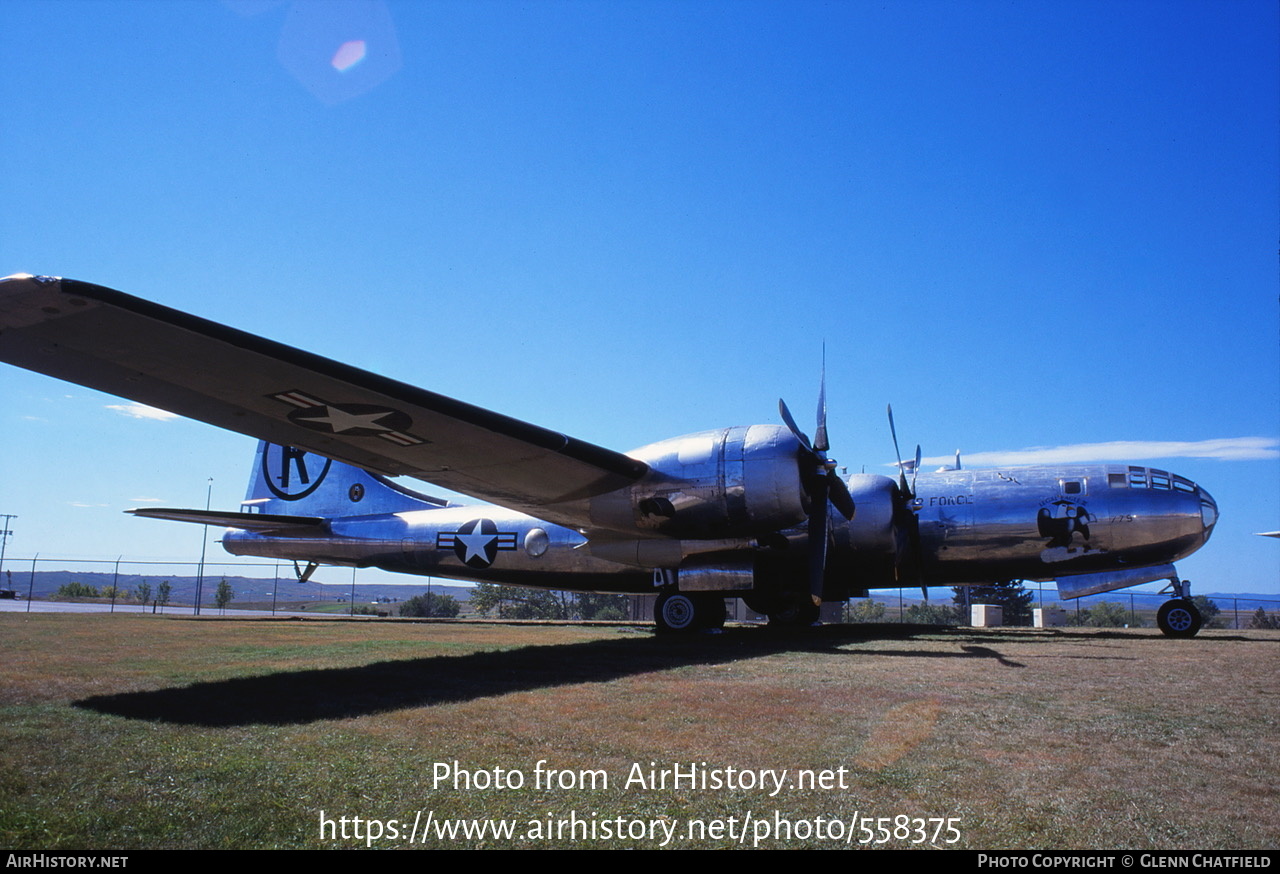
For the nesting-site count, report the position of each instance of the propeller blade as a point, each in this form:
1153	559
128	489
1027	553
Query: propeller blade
822	485
791	423
840	495
902	474
905	522
818	542
820	443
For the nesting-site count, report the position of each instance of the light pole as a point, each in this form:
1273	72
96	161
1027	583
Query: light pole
4	535
204	545
31	586
115	584
353	591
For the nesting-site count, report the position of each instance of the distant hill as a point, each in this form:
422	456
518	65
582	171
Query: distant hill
183	589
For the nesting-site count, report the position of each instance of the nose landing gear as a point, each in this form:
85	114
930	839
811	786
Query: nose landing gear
1179	616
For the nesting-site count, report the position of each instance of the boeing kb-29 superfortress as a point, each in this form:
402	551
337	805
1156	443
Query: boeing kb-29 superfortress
758	512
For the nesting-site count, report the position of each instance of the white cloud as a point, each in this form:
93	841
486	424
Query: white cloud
142	411
1226	449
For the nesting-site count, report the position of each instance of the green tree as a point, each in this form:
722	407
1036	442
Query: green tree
431	604
1013	599
865	610
610	613
931	614
76	590
486	598
1108	614
1208	612
1261	620
592	605
224	595
163	592
515	602
535	604
143	592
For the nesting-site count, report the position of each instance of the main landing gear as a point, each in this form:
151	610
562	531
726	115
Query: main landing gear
688	611
784	609
1179	617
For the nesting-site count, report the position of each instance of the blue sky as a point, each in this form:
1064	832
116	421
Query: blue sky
1026	225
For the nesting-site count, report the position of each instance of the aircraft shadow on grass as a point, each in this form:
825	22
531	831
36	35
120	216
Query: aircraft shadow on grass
296	697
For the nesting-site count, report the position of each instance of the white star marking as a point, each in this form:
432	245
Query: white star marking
476	542
342	422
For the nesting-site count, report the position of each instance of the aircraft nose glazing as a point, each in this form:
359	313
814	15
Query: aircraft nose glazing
1208	511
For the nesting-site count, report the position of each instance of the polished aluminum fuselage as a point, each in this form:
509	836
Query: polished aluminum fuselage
1033	523
724	510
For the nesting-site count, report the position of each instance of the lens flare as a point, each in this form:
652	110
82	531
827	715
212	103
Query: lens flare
348	55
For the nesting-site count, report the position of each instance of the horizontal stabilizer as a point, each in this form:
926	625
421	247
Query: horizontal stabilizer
263	523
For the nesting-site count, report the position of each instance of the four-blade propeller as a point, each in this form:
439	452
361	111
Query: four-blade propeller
824	487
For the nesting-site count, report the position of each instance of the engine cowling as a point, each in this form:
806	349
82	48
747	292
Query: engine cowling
732	482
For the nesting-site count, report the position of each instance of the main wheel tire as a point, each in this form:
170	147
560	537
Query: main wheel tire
1178	618
764	603
710	610
675	612
798	614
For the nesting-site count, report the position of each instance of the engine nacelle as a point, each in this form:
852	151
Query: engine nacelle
734	482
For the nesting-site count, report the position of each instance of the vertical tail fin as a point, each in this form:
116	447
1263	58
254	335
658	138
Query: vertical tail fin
294	482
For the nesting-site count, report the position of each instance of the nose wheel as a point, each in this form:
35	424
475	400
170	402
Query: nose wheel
1178	618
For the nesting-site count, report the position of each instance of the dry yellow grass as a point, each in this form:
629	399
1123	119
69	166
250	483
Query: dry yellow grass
140	731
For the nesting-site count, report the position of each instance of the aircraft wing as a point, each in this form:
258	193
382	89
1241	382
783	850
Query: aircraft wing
116	343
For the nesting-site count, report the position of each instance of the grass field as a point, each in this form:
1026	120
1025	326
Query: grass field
132	731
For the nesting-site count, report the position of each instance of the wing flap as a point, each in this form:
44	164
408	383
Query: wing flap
117	343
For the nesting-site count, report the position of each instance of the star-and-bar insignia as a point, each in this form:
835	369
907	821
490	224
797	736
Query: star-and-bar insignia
476	543
350	420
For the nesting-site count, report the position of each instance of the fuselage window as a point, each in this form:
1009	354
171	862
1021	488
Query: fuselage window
1117	480
1072	486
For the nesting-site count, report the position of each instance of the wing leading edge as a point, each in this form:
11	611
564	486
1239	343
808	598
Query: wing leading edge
120	344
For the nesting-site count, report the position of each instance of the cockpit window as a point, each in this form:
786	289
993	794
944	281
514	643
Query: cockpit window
1142	478
1117	481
